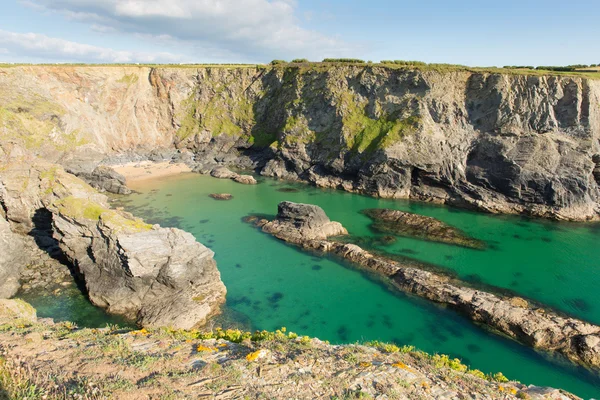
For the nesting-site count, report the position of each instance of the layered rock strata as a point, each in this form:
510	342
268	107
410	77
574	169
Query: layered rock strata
156	276
307	226
497	142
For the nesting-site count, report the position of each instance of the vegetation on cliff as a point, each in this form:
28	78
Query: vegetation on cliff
166	363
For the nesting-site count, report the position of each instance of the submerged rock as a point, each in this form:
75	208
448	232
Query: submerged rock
296	221
308	226
221	196
419	226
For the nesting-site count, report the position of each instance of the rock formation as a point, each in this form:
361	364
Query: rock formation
156	276
496	142
307	226
105	179
419	226
221	196
297	222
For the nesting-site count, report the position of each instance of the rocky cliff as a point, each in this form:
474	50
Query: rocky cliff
495	142
155	276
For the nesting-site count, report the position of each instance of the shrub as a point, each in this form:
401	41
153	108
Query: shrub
344	60
555	68
300	60
278	62
518	67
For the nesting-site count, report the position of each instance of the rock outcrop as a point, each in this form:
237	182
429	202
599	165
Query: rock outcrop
502	143
12	259
297	222
308	226
221	196
224	173
407	224
105	179
16	312
156	276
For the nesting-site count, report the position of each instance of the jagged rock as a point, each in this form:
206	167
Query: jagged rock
13	258
297	221
307	226
419	226
104	178
156	276
245	179
503	143
221	196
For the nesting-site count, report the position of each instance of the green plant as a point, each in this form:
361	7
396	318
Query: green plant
300	61
499	377
278	62
344	60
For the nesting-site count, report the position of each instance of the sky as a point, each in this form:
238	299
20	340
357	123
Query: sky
474	33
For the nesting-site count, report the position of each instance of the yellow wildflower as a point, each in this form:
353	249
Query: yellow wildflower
201	348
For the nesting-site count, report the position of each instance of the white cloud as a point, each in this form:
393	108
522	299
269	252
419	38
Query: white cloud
41	46
249	29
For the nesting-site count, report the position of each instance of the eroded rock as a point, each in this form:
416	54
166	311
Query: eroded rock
307	226
156	276
297	222
407	224
106	179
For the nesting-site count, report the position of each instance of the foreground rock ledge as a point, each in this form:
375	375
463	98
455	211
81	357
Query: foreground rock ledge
308	226
104	363
155	276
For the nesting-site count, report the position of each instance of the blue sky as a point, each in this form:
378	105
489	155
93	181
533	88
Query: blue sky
478	33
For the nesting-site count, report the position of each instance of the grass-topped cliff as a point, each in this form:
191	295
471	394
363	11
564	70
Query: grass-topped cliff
502	140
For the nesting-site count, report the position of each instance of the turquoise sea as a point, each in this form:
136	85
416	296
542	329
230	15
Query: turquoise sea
271	284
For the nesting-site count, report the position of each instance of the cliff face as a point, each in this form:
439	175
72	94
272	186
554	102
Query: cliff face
502	143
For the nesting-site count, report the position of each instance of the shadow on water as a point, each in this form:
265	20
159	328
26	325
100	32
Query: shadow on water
73	303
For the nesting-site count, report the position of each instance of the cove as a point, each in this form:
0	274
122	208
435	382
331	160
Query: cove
272	284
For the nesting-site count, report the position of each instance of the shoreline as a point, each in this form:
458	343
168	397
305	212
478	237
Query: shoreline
146	170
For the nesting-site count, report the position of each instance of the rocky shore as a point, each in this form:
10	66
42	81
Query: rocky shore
307	226
152	275
42	359
502	143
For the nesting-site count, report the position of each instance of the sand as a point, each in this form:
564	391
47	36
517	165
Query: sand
140	171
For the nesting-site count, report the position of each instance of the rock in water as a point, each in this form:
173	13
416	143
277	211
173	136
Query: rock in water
296	221
419	226
221	196
245	179
223	173
308	227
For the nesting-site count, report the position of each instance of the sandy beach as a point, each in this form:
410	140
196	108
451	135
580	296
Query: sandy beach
140	171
